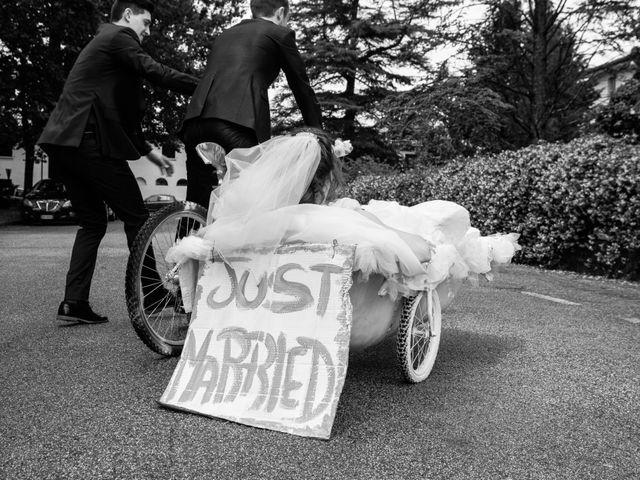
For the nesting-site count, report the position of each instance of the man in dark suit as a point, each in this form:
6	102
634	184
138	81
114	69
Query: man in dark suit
93	131
231	104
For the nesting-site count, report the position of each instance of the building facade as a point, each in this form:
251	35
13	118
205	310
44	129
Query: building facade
610	76
148	176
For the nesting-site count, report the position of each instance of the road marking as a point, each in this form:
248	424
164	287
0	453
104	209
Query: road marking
631	319
551	299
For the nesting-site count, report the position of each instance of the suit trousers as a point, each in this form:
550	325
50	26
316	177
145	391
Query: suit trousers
201	177
92	181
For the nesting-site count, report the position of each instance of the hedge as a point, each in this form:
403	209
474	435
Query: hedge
576	205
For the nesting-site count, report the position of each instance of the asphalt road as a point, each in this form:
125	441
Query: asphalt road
523	387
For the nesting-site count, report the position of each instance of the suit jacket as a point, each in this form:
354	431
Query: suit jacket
104	88
244	61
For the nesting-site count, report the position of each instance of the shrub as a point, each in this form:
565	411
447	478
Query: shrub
404	188
576	205
365	165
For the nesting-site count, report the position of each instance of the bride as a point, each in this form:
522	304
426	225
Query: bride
284	190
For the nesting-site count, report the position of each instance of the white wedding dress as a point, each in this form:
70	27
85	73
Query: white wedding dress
257	205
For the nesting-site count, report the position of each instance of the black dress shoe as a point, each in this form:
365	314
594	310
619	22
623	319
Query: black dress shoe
78	311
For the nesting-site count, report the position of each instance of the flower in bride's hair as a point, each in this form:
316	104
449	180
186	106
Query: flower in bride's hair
342	148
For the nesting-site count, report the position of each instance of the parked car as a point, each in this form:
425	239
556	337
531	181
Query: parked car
158	201
47	201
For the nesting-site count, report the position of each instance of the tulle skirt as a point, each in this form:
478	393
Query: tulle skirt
460	252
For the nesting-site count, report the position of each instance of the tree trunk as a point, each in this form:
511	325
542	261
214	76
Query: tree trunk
539	18
349	119
29	156
28	142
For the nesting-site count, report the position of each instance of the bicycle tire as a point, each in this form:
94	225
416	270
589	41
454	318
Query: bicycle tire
418	336
163	325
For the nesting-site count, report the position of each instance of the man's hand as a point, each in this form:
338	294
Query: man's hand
163	163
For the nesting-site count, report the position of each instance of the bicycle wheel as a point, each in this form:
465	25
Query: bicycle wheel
418	335
152	288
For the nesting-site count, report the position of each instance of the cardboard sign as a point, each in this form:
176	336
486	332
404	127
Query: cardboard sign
268	344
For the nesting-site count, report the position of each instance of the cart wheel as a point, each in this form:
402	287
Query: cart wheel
418	335
152	288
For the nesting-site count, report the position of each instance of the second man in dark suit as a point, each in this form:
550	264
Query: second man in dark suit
231	104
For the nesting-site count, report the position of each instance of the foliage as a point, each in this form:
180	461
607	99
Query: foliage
365	165
449	117
405	188
576	205
357	52
38	45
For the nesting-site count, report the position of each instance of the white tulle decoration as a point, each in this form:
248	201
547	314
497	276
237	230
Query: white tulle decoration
271	175
190	247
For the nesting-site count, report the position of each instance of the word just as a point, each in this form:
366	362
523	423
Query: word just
294	296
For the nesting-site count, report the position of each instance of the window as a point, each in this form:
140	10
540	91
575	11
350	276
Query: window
182	182
169	151
141	181
6	151
162	181
49	186
612	84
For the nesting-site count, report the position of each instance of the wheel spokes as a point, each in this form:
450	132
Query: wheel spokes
165	316
420	334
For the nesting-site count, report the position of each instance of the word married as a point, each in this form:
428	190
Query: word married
262	368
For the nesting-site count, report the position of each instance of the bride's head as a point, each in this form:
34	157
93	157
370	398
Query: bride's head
328	177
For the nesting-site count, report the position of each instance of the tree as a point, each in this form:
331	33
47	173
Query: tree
39	43
530	57
448	117
358	52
